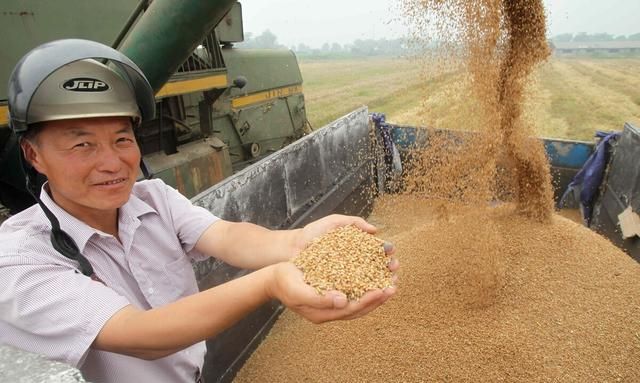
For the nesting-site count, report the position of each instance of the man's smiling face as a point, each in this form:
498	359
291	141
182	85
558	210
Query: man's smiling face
91	163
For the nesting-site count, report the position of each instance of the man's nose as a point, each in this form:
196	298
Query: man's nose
108	159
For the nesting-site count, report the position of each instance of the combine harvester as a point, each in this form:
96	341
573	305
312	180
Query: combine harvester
337	168
219	107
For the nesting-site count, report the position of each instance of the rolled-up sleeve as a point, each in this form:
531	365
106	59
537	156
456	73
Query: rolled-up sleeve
189	221
52	310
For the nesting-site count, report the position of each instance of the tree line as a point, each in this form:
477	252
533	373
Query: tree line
359	47
391	47
582	37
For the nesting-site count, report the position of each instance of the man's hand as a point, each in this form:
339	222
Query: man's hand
324	225
289	287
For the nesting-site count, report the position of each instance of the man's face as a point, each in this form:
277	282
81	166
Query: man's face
91	163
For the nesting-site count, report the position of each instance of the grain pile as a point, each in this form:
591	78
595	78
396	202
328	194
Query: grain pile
484	295
346	259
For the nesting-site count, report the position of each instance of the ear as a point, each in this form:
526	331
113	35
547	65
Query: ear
32	155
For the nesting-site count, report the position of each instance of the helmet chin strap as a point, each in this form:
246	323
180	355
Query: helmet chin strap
145	169
143	165
60	240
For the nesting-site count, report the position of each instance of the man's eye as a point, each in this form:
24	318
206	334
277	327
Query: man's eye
82	145
125	140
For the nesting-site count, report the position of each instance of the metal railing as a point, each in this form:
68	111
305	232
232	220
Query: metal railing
206	56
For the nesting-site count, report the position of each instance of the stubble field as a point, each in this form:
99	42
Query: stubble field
569	97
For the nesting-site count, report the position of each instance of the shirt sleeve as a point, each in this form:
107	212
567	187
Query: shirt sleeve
52	310
189	221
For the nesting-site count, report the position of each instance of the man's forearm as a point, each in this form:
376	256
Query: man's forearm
164	330
263	247
248	246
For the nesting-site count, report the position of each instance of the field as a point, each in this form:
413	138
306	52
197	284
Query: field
568	97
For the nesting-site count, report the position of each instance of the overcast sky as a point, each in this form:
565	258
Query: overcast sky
317	22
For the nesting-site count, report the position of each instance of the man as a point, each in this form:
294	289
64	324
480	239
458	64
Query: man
98	274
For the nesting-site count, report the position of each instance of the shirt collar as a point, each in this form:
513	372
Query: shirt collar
80	231
135	207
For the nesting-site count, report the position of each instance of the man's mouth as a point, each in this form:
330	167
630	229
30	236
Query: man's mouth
112	182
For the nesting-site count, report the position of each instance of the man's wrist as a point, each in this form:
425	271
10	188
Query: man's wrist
296	243
269	284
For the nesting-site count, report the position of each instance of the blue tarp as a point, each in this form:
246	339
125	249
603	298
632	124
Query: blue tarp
586	183
391	154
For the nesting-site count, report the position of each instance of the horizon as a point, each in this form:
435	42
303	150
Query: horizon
332	21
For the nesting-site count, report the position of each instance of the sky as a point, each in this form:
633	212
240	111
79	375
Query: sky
316	22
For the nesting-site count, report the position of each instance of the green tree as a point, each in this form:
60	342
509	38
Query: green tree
265	40
563	38
303	48
581	37
602	37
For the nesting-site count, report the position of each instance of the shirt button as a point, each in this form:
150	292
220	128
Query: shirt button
150	290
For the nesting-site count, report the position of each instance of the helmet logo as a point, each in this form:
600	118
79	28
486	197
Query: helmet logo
85	84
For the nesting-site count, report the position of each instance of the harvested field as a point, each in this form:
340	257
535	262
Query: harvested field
333	88
485	295
580	96
569	98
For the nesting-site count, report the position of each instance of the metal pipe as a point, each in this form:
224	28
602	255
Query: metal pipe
142	5
168	32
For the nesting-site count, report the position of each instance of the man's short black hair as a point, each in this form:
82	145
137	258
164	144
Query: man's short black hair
32	133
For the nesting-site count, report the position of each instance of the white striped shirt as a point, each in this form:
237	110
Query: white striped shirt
47	307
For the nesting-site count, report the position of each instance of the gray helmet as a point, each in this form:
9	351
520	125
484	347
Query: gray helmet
61	80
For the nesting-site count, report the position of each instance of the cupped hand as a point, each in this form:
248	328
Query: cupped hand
326	224
289	287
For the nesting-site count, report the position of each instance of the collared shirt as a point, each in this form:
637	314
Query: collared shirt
48	307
